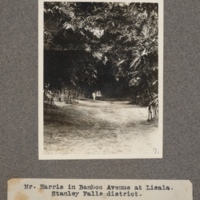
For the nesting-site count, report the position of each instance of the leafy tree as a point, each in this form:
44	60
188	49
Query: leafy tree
115	45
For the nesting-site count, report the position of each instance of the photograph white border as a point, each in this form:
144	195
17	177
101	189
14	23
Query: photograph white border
159	148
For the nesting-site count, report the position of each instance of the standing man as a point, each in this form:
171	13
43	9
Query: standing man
94	95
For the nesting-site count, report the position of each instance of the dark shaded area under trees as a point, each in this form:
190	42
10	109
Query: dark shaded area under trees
107	47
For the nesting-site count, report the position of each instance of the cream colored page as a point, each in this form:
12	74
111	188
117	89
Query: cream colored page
93	189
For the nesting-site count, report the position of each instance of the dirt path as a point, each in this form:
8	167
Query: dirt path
99	127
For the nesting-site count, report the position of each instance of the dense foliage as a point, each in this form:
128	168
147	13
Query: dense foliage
112	47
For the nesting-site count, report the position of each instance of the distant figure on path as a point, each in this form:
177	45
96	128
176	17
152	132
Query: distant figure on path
94	95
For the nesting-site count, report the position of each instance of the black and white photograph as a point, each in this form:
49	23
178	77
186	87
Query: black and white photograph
100	79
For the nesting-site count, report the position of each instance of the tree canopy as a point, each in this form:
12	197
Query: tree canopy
112	47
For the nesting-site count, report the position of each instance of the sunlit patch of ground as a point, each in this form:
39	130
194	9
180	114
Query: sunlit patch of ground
99	127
